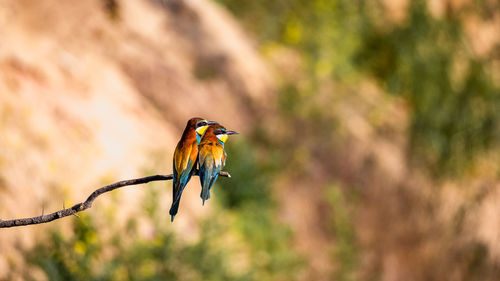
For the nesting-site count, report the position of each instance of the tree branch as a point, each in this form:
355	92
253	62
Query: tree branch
88	203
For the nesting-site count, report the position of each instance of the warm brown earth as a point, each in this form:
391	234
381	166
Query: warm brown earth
89	96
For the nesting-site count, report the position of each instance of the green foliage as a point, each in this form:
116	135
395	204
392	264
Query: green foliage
69	259
271	255
261	247
87	256
453	101
249	183
346	251
248	196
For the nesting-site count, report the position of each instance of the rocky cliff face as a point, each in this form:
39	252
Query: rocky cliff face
91	91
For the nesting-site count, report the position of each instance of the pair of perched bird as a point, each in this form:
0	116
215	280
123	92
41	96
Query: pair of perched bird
202	144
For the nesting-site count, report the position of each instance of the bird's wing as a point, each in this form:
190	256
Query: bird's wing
212	158
181	158
184	161
219	159
205	158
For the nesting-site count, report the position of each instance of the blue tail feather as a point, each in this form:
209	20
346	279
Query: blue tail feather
208	176
176	196
204	178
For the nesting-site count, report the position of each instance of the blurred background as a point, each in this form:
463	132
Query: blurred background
369	145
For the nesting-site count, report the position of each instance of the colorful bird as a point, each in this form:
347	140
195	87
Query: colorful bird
185	157
212	157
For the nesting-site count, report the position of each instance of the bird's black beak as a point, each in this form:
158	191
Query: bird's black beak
232	133
213	123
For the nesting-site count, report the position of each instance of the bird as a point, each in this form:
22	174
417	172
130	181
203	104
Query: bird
212	157
185	158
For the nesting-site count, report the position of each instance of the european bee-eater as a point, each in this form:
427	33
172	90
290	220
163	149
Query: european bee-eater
185	157
212	157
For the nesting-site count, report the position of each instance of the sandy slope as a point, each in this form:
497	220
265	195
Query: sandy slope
90	95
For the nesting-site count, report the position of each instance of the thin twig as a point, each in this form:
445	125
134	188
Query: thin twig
88	203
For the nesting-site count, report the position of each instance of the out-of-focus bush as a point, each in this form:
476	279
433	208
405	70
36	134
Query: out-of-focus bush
454	102
247	195
449	89
250	180
85	255
345	250
260	247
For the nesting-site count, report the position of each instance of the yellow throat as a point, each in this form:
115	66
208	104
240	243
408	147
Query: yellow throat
222	138
201	130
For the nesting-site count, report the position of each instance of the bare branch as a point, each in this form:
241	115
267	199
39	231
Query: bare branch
88	203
